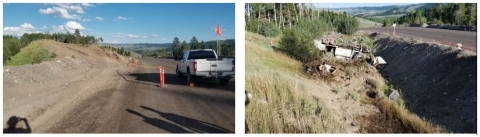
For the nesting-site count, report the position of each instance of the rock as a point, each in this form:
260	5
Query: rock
7	70
16	81
394	95
58	61
351	124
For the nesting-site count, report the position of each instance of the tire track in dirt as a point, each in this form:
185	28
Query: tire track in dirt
137	105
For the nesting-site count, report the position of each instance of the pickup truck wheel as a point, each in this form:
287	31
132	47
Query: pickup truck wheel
178	73
224	81
189	77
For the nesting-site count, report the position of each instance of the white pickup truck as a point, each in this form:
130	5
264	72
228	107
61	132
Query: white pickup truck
204	64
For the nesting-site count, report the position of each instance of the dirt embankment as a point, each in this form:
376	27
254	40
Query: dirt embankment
437	82
43	93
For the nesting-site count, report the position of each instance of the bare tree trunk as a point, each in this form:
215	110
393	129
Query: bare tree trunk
296	15
318	14
301	11
258	19
312	14
290	22
275	15
281	16
268	16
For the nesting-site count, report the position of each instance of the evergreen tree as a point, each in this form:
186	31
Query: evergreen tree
185	46
176	49
194	43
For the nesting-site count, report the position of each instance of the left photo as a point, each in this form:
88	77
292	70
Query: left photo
119	68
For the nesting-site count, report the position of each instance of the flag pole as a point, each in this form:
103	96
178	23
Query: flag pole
218	49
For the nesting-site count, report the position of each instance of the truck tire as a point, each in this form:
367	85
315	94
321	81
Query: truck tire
224	81
178	73
189	77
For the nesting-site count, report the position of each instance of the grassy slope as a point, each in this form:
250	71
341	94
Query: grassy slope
31	54
283	100
388	16
280	101
367	23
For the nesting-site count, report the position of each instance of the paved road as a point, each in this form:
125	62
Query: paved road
468	39
138	105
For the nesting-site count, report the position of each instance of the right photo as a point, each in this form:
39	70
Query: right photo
361	68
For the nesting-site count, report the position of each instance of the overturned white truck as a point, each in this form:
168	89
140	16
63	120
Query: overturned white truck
338	52
327	46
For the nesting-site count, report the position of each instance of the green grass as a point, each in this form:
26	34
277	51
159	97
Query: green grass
388	16
364	23
281	103
31	54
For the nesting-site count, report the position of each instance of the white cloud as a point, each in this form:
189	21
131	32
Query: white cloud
120	35
136	36
46	11
65	10
155	35
72	25
59	12
122	18
72	7
27	26
164	39
87	5
59	29
86	20
129	36
44	27
19	31
99	18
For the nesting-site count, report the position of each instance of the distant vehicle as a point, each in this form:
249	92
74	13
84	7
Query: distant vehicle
205	64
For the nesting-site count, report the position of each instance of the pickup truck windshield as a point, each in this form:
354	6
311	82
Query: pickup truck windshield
201	55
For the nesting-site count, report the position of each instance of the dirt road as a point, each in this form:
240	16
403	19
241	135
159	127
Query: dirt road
116	101
468	39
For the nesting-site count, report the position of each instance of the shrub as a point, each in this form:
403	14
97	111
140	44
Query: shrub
252	25
299	45
314	27
268	29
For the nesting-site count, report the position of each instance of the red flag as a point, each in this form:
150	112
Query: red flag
218	32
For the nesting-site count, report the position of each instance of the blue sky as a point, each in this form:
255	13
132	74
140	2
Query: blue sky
123	23
347	5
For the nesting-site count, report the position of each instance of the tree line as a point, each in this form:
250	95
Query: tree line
299	23
226	49
444	13
269	19
12	45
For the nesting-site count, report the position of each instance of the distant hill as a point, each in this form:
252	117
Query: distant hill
149	47
382	10
404	9
379	14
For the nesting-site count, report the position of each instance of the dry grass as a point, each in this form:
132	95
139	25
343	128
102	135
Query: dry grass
394	117
281	104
